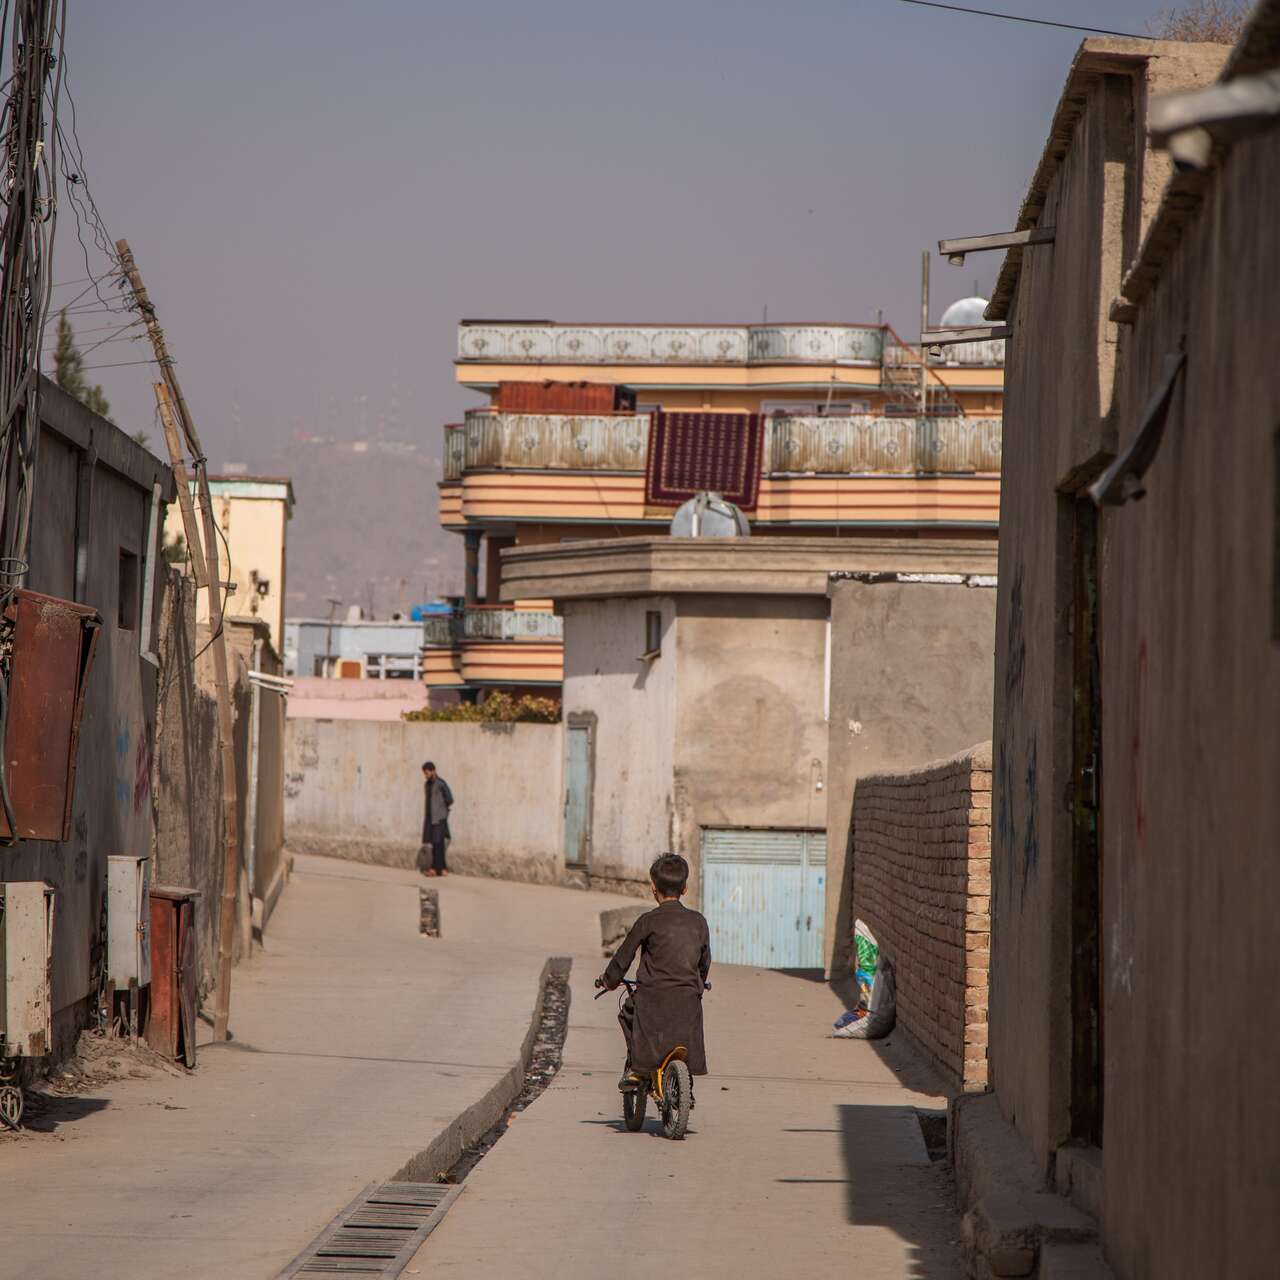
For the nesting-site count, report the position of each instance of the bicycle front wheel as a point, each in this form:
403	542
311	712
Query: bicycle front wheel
633	1104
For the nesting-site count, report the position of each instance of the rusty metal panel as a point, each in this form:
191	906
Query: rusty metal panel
53	646
26	964
556	397
171	1029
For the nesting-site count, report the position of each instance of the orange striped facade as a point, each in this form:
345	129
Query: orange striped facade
568	497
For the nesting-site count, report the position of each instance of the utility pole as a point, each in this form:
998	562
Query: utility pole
174	405
176	460
924	324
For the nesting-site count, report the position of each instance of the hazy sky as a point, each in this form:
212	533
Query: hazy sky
316	191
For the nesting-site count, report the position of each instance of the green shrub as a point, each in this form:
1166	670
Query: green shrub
497	707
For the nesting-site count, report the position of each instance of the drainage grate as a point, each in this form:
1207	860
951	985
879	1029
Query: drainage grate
377	1233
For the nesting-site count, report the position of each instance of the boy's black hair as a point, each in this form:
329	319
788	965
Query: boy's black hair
670	874
428	764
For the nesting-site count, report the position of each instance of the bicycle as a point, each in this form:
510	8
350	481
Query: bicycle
670	1085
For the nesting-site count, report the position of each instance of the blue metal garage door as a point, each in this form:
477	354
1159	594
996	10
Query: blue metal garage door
764	896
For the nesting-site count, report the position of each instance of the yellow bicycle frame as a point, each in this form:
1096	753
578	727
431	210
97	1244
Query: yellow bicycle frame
678	1054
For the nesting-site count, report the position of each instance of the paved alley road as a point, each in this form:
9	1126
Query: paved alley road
804	1159
356	1042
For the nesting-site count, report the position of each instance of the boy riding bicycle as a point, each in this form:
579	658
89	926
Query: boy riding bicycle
675	958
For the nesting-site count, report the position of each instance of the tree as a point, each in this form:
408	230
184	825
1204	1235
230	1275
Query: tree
1201	21
175	549
68	367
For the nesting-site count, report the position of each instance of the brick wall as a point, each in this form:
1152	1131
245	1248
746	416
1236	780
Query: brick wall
922	883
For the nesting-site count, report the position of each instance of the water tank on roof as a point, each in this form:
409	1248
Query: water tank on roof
961	314
709	516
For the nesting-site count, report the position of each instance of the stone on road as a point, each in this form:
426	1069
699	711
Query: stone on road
804	1158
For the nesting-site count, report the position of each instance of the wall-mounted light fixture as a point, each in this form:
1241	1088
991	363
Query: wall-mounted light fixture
935	339
1187	124
955	250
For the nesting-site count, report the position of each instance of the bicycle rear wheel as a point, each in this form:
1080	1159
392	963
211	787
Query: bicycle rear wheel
633	1105
677	1100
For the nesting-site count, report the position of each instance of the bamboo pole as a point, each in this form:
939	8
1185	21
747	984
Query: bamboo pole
218	644
195	543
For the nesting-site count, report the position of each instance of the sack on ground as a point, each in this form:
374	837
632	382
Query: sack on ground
881	1012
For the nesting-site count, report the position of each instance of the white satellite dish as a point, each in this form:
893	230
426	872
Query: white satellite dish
709	516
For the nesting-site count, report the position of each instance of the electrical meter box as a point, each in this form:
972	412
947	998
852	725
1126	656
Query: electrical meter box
128	921
26	968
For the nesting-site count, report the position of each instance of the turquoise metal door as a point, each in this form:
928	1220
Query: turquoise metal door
764	896
577	795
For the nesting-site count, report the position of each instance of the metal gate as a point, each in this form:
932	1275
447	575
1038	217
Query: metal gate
764	896
577	794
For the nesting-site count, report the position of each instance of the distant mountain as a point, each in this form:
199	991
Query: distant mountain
366	527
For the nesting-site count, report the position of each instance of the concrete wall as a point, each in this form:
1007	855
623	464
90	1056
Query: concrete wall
631	706
723	729
249	643
1060	430
911	681
1189	703
750	740
353	789
1190	601
922	883
112	806
187	834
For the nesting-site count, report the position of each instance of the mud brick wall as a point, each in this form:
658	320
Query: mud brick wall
922	883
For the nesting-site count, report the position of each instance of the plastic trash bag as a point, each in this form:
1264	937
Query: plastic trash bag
876	1013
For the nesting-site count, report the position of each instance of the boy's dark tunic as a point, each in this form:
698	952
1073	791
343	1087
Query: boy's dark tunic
675	958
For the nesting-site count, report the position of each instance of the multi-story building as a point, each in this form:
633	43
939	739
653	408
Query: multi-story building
858	438
252	514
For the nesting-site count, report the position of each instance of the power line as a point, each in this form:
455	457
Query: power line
1016	17
119	364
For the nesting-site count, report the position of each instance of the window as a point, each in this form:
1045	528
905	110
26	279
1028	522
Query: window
652	634
127	593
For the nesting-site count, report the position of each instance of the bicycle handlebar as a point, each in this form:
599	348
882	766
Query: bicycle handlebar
630	986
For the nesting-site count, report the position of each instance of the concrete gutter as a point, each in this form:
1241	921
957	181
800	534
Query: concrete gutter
481	1116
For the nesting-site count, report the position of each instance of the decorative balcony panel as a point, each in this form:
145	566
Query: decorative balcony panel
512	624
441	628
558	442
501	343
455	444
883	446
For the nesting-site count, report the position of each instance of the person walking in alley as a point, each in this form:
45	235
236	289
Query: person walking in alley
435	821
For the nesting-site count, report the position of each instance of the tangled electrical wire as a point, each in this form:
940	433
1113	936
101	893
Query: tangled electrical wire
32	33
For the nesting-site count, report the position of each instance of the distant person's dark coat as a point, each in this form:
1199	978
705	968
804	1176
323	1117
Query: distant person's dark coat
675	958
439	800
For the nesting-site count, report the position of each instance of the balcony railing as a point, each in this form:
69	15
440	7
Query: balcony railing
512	624
441	628
454	451
556	442
867	445
858	445
513	343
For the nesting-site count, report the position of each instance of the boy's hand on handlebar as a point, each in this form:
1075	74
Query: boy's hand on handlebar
600	982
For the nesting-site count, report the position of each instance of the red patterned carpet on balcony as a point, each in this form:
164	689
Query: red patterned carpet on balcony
692	452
